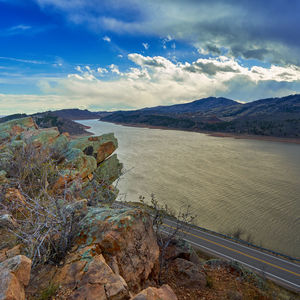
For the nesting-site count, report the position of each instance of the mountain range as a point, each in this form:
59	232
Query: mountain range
270	117
279	117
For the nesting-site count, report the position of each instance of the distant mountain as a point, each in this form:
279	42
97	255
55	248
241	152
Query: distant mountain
76	114
272	117
272	106
202	105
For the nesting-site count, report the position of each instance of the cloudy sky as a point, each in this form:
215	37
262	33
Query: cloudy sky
125	54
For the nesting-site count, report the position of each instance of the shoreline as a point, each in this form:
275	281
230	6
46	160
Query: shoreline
218	134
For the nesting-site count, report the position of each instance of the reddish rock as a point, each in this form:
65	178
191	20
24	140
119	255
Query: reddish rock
14	128
104	151
14	276
99	147
20	266
152	293
126	239
188	274
41	137
10	287
62	181
88	276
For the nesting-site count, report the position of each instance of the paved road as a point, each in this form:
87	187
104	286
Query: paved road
280	270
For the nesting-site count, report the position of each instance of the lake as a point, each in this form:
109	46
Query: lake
229	183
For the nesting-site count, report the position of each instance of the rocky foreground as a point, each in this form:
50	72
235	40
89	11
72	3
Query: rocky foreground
60	238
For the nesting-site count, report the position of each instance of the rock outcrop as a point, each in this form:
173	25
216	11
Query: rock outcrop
83	159
115	253
14	277
151	293
87	275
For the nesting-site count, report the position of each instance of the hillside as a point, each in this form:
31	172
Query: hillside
285	106
202	105
279	117
75	114
51	119
62	237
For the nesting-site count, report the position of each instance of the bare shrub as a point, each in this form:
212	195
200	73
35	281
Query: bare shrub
166	233
46	226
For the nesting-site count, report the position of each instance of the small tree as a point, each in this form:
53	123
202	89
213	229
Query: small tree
160	213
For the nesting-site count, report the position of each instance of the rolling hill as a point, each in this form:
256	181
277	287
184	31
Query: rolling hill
271	117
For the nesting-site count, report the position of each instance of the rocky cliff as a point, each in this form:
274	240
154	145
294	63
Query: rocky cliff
113	254
61	238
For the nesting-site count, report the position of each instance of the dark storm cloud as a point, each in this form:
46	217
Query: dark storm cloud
263	30
209	68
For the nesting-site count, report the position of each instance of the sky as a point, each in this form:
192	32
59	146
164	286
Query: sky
128	54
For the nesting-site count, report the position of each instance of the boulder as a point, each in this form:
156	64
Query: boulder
126	240
82	164
14	277
99	147
41	137
188	274
20	266
151	293
14	128
10	287
181	249
87	275
109	170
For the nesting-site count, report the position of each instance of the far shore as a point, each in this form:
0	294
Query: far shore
219	134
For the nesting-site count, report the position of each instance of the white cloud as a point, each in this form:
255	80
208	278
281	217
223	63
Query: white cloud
21	60
146	46
102	70
78	68
115	69
20	27
158	81
107	39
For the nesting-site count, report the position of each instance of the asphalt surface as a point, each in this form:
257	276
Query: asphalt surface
284	272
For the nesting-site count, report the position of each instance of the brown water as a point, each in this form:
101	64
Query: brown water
230	183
